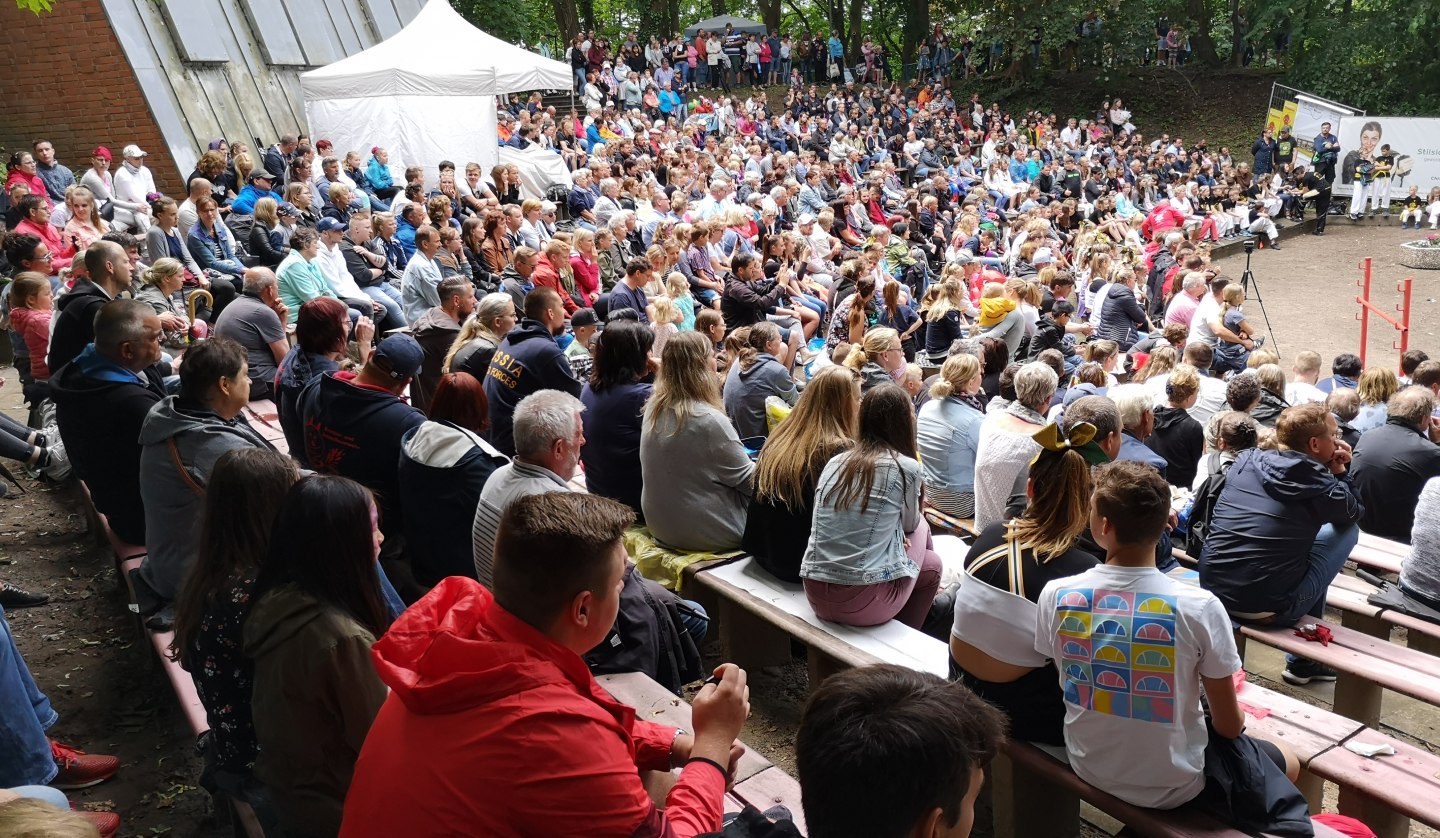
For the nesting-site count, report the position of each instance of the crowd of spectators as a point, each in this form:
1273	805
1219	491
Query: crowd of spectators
794	330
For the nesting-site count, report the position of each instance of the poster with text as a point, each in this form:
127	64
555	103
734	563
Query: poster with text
1415	142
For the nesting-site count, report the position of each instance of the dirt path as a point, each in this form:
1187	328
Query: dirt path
87	654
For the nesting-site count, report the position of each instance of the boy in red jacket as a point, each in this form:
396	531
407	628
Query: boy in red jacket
494	725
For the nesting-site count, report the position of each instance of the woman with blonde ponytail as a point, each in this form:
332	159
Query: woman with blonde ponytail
879	357
161	288
948	433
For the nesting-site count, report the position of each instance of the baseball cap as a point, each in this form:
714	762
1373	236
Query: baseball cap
261	174
807	218
1043	256
398	356
329	225
287	208
133	150
584	317
101	151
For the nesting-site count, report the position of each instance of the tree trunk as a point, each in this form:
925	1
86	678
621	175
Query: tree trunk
586	11
857	7
770	16
1238	34
917	26
1202	43
567	19
835	12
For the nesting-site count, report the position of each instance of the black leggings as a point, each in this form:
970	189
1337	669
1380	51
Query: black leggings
13	436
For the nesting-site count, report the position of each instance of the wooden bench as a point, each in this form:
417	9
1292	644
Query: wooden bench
760	615
1348	595
264	417
122	551
1366	666
1379	553
758	783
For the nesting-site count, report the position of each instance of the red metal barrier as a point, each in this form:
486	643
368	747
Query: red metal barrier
1367	307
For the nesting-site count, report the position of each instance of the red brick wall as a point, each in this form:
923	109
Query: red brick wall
70	83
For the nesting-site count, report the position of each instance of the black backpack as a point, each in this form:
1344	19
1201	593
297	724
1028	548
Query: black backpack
648	636
1202	507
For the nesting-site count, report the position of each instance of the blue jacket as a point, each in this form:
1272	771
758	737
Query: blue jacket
948	434
203	247
244	202
612	420
527	361
405	234
1264	525
379	175
1132	448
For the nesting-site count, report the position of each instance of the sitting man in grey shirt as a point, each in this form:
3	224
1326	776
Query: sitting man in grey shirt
548	437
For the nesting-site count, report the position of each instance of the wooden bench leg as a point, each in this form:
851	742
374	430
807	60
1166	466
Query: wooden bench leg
1313	788
1025	806
1423	643
1386	822
1358	699
1366	624
749	641
822	666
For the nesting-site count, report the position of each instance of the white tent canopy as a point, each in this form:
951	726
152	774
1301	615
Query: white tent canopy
426	94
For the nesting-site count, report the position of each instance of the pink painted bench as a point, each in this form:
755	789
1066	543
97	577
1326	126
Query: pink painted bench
1366	666
757	782
264	417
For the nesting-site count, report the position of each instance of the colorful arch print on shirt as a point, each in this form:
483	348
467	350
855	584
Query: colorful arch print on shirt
1117	652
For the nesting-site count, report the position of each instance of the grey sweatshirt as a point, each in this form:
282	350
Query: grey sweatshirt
697	481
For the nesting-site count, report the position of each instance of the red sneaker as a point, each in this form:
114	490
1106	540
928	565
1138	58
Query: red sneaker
106	823
79	770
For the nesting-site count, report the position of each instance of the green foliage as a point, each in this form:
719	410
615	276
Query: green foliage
36	6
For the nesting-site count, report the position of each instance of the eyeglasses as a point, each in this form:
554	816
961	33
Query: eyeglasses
46	258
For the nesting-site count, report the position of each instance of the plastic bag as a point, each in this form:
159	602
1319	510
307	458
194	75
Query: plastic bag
776	410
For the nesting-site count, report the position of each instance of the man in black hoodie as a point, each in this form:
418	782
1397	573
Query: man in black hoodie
353	422
101	400
527	361
109	270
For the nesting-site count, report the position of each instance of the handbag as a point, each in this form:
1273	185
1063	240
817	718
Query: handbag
107	210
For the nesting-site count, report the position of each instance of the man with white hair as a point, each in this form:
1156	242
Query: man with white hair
717	201
1137	422
1007	443
658	214
581	201
1182	308
547	436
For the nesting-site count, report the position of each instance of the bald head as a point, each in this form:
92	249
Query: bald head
200	188
258	279
1413	406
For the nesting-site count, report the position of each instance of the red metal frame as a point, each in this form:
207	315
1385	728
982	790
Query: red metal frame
1401	325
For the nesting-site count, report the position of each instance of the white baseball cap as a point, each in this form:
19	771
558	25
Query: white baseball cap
132	150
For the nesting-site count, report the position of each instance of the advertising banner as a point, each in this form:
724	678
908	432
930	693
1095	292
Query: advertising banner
1415	142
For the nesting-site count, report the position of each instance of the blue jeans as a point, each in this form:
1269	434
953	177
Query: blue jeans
54	797
386	295
813	303
25	715
1327	557
696	624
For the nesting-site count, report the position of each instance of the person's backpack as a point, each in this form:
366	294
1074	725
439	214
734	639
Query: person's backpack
1202	506
648	636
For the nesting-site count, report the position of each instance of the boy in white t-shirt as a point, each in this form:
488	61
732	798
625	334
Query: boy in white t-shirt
1133	648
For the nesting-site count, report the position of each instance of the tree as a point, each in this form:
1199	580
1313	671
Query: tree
36	6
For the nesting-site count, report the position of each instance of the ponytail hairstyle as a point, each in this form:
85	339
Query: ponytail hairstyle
163	269
892	301
876	341
1060	489
756	339
956	374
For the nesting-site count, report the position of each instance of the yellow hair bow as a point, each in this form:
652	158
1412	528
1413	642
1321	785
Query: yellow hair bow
1051	439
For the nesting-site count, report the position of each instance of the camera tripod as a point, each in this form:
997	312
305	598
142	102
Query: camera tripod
1247	281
